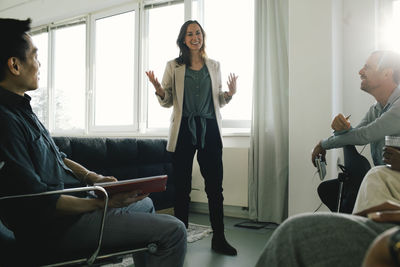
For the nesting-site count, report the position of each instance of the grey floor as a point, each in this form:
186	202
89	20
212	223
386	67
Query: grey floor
248	242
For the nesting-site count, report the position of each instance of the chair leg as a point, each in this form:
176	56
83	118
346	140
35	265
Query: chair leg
340	196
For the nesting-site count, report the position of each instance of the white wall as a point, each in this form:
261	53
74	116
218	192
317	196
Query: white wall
329	42
359	28
359	41
310	87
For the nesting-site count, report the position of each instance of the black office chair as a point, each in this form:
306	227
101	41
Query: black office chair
95	257
340	194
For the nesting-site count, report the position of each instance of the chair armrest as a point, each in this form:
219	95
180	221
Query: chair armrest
92	258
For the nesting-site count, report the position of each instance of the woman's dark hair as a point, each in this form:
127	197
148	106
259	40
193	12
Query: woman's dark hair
184	53
13	42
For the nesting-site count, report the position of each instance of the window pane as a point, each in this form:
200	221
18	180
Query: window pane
232	44
164	25
114	70
40	99
196	10
70	77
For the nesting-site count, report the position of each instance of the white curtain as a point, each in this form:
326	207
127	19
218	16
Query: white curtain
268	177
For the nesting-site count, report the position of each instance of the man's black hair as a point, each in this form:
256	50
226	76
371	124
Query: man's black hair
13	43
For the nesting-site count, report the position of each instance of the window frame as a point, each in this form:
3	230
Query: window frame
50	28
92	128
145	85
51	71
37	31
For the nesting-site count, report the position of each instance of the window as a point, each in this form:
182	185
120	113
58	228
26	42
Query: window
230	41
69	78
40	100
222	42
114	70
163	27
60	101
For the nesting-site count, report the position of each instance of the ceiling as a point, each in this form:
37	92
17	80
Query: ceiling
6	4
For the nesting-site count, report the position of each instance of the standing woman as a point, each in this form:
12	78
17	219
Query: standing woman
192	85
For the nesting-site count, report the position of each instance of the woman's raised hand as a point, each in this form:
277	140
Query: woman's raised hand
153	79
232	84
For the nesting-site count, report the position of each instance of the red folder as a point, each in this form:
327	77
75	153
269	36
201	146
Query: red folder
146	185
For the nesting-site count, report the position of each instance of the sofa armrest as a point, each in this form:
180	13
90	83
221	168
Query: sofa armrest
92	258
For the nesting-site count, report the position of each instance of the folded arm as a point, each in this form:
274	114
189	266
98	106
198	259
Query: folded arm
368	131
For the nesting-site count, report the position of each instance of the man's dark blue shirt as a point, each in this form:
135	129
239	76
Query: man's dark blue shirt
33	164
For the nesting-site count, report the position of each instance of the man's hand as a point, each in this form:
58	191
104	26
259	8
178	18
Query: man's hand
390	216
383	212
388	211
340	123
124	199
318	150
92	178
391	156
378	254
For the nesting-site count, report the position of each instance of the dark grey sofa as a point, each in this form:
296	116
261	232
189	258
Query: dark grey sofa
124	158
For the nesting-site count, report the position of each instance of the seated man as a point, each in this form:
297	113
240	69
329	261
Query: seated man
346	238
380	77
55	225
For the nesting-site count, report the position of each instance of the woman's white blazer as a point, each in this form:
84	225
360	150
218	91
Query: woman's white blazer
173	84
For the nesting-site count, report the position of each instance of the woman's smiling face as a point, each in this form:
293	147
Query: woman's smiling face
194	37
